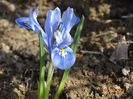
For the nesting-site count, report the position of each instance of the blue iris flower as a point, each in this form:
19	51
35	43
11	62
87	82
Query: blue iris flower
56	34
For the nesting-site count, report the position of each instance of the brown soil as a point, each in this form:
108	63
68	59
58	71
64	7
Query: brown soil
93	76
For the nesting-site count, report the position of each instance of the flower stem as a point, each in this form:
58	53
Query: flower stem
49	79
74	47
41	91
62	84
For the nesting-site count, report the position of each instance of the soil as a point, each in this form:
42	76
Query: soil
95	75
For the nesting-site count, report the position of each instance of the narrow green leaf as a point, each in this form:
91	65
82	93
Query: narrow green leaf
41	90
49	79
77	34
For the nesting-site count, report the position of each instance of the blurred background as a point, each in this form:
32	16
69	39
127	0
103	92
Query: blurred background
104	65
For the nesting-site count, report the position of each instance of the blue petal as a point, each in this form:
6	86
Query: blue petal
67	39
53	19
35	25
58	37
35	14
69	19
61	62
33	20
60	41
24	22
45	38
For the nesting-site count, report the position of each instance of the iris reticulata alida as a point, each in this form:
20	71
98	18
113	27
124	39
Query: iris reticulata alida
56	34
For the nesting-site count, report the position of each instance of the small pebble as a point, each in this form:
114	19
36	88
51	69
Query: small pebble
5	47
127	85
125	71
4	23
12	7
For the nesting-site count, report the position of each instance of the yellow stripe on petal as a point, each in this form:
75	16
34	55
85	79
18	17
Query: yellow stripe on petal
63	52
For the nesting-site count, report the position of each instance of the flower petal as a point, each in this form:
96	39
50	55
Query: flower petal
45	38
53	19
24	22
35	14
58	37
69	19
60	41
63	62
33	20
35	25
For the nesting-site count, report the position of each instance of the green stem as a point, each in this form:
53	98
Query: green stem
62	84
74	47
41	91
49	79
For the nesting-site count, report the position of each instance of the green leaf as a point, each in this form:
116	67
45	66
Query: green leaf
41	91
77	34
